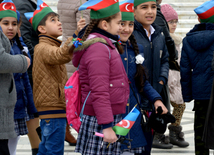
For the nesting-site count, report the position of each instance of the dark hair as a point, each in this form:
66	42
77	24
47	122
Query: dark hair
43	21
140	76
94	23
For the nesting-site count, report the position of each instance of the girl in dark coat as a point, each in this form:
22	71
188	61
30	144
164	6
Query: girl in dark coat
133	63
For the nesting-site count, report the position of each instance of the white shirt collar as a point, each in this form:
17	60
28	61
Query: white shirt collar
152	30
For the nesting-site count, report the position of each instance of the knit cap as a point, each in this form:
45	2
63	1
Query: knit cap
101	8
138	2
41	11
168	12
7	9
127	10
205	12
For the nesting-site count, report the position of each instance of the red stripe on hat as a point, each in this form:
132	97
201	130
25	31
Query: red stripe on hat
42	6
207	14
127	7
7	6
103	4
31	20
125	124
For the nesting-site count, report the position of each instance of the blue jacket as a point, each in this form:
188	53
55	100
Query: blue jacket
155	53
24	91
196	59
136	133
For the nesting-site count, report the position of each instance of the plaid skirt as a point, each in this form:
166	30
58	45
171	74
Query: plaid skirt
89	144
21	125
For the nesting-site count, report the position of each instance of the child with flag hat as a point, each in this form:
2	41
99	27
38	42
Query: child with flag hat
49	77
156	55
196	59
131	57
9	64
101	71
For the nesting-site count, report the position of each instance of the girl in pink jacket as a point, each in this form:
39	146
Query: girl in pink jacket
176	99
102	74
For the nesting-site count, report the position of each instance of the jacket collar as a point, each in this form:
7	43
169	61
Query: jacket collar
50	40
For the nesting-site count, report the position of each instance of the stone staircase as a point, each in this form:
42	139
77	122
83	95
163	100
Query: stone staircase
184	8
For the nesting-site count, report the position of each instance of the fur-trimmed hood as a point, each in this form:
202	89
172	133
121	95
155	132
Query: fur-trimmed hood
92	39
177	39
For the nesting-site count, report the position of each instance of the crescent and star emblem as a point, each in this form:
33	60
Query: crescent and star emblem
4	6
128	124
42	5
127	7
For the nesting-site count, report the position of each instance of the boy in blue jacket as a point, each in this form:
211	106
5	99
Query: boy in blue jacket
196	71
156	54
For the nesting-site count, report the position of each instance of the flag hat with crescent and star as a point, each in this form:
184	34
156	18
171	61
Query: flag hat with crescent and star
101	8
122	128
205	12
138	2
41	11
7	9
127	10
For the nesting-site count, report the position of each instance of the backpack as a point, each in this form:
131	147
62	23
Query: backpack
74	107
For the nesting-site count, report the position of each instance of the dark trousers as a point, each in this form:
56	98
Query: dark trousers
200	108
4	150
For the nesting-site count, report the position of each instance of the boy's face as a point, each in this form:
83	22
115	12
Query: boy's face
145	13
52	27
9	27
126	31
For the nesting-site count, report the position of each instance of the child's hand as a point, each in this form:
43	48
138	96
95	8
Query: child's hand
80	24
109	135
19	32
160	103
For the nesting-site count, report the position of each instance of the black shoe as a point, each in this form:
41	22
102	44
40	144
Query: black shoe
161	141
176	137
35	151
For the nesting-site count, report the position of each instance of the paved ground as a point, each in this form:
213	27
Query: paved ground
187	123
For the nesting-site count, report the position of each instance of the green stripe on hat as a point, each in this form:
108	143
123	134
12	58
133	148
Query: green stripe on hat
208	20
106	12
138	2
39	16
8	13
127	16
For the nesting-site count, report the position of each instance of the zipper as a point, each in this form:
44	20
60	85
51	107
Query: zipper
152	65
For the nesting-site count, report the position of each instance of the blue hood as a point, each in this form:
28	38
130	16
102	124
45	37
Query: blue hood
205	32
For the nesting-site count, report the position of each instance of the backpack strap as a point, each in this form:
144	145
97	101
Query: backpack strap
81	113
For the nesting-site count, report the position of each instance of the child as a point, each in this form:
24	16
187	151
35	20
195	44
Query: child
25	108
137	77
102	74
155	52
8	65
49	78
175	135
196	71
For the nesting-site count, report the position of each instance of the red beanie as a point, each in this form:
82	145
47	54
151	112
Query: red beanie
168	12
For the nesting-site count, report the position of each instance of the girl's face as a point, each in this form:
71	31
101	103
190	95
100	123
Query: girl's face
9	26
145	13
172	25
114	25
126	30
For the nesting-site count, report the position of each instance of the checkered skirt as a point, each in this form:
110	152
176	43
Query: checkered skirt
89	144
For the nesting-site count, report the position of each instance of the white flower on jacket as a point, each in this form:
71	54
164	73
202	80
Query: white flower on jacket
139	59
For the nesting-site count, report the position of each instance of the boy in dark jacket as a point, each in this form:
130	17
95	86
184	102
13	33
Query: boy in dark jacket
196	70
156	55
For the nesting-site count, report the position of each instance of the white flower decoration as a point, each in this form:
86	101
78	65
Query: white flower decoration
139	59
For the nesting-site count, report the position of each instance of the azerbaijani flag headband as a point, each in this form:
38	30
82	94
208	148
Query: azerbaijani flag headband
101	8
7	9
41	11
205	12
127	10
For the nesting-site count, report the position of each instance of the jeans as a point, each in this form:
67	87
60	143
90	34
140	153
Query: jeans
53	136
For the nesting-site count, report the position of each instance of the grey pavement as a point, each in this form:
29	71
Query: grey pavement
24	148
